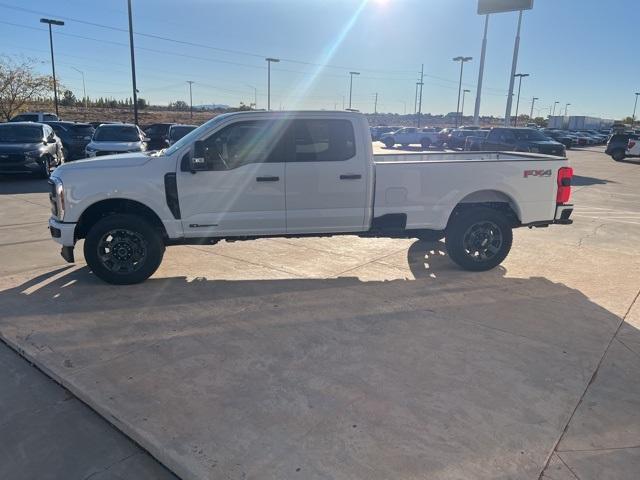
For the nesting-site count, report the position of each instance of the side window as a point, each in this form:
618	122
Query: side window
49	118
323	140
244	143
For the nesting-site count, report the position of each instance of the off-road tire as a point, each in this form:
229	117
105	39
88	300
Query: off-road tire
141	237
467	230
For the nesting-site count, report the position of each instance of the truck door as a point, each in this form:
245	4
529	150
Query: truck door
241	189
326	184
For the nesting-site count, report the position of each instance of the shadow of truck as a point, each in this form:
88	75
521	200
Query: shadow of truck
448	375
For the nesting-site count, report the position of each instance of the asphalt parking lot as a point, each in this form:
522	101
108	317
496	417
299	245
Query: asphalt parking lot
350	358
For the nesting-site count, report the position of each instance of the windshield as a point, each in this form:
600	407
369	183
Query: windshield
20	134
528	134
123	133
176	133
193	135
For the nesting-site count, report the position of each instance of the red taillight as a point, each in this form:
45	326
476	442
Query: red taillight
564	184
631	144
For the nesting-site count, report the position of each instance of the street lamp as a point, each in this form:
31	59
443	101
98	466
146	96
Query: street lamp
133	65
533	102
462	60
554	108
255	95
190	82
351	74
520	75
269	62
50	22
84	91
464	92
633	117
566	108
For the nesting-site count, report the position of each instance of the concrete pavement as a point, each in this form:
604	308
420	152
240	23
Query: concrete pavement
352	358
47	434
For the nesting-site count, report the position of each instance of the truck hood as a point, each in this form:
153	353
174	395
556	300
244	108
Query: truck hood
115	146
134	159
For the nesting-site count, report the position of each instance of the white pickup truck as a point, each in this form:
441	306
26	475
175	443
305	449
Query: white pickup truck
246	175
425	137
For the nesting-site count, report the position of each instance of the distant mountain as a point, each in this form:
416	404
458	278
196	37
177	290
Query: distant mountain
211	106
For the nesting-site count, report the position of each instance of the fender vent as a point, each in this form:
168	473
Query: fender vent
171	194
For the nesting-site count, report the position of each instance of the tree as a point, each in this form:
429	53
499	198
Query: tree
627	120
142	103
20	84
179	105
68	99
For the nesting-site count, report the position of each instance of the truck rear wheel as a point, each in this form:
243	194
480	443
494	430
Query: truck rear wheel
479	238
618	154
425	143
123	249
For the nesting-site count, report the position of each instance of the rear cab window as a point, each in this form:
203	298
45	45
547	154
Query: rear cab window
323	140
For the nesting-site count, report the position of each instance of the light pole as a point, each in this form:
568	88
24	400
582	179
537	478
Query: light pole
566	109
514	66
483	52
255	95
462	60
351	74
554	108
464	92
269	62
133	66
375	104
50	22
420	84
533	102
190	82
520	75
84	91
633	117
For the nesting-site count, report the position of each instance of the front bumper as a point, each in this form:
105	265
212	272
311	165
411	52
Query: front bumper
62	233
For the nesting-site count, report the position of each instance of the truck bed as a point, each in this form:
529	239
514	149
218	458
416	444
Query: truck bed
438	157
426	187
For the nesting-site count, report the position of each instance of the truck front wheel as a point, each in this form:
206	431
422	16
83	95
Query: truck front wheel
479	238
389	142
123	249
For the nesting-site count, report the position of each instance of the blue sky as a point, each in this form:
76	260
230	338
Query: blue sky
576	51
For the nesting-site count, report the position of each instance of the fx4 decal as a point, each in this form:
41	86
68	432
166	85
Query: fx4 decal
537	173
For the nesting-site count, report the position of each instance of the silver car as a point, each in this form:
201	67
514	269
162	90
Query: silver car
109	139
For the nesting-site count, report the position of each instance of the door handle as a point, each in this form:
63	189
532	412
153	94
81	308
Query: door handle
267	179
354	176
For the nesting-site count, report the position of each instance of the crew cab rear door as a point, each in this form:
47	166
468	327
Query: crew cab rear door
241	189
326	186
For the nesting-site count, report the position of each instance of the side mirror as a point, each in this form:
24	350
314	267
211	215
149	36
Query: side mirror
198	159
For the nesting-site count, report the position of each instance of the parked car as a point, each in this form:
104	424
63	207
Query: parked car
519	140
559	136
411	136
377	132
633	148
27	147
618	144
97	124
226	180
109	139
177	131
157	135
35	117
457	138
74	136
